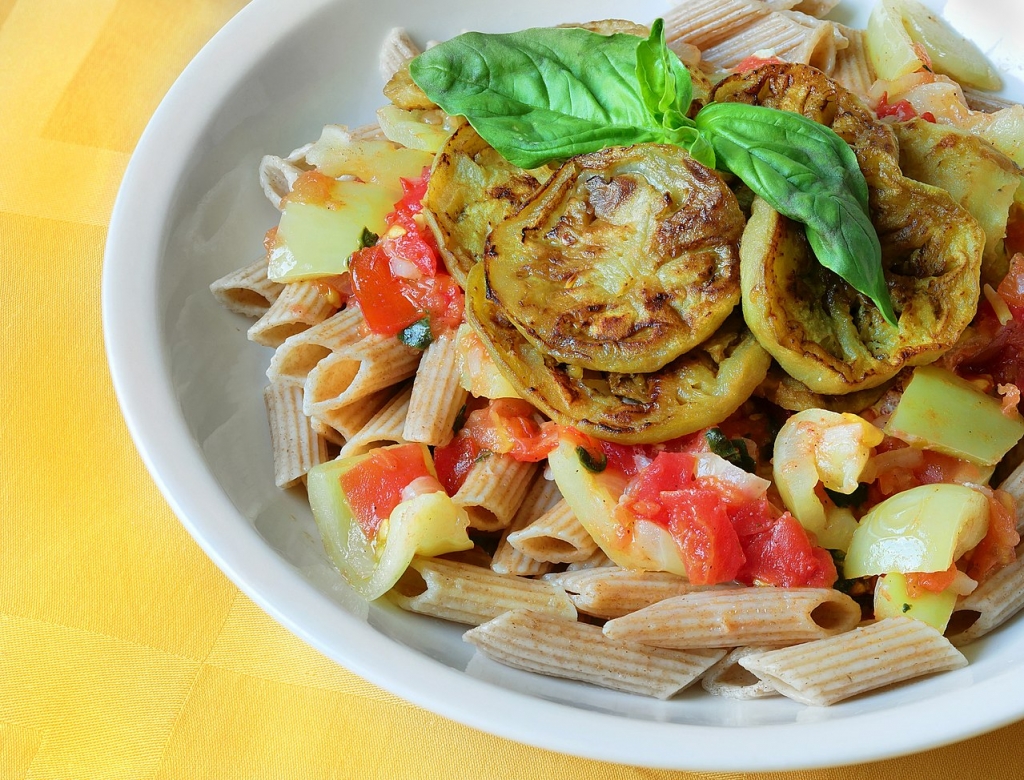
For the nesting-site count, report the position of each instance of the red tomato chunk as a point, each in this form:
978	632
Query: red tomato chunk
373	487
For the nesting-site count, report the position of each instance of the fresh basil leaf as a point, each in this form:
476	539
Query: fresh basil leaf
551	93
733	450
807	173
665	84
368	238
417	335
594	464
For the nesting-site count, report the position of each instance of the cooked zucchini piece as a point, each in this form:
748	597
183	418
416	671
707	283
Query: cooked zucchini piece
979	177
821	331
786	392
472	188
623	261
696	390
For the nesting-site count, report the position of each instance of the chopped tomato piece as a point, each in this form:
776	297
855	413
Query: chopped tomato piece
753	62
932	581
901	109
998	547
454	460
1011	288
397	281
782	555
373	487
710	548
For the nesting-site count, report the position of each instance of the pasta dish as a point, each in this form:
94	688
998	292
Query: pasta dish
665	354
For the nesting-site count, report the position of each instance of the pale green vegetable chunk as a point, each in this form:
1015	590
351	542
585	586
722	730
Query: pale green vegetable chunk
592	498
376	162
904	35
923	529
893	600
941	412
315	239
429	524
420	129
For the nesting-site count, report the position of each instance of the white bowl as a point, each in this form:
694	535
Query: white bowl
190	210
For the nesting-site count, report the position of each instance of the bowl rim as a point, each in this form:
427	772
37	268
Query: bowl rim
137	355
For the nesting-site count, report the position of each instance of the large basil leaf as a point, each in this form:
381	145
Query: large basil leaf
551	93
809	174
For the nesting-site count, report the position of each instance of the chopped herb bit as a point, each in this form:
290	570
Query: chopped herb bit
733	450
368	238
483	455
842	585
856	498
417	335
460	420
590	462
906	608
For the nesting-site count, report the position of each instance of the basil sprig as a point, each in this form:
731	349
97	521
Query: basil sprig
809	174
551	93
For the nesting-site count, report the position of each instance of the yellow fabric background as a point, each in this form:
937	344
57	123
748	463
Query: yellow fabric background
124	653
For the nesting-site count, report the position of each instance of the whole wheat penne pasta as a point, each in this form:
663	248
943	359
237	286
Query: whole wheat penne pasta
299	306
1014	485
465	593
556	536
829	670
577	651
494	488
541	495
299	354
277	177
992	603
739	616
296	447
611	592
707	23
596	561
320	428
396	50
385	427
727	678
818	8
437	395
790	39
351	418
248	290
853	68
373	363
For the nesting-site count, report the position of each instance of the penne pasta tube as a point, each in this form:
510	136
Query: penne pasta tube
297	448
540	497
707	23
465	593
437	395
596	561
727	678
373	363
992	603
1014	485
576	651
299	354
818	8
349	419
739	616
556	537
493	491
853	68
299	306
385	427
786	36
277	177
611	592
247	291
396	50
829	670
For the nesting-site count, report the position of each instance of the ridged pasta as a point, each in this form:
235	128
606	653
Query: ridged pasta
247	291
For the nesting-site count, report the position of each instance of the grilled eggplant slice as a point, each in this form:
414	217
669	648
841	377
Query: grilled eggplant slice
820	330
471	189
698	389
624	260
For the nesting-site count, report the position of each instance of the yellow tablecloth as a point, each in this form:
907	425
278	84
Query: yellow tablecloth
124	652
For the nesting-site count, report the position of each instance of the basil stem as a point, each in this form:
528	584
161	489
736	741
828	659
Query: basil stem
807	173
